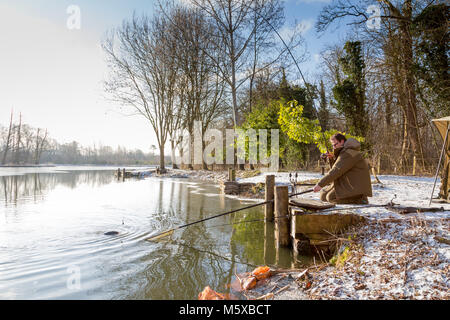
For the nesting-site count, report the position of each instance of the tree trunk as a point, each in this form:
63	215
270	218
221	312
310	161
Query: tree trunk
409	88
172	145
191	150
204	165
233	65
8	139
161	157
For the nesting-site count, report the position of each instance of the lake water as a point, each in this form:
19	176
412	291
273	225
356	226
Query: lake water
52	242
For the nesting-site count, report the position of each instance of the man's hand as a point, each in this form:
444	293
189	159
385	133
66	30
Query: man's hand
317	188
327	155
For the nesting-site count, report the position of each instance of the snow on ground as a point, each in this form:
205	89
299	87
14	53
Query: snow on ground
392	256
402	190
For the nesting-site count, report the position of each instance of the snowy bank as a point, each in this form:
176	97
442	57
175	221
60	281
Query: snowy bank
391	256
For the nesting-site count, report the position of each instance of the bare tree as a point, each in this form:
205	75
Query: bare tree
27	141
39	147
237	22
142	72
201	89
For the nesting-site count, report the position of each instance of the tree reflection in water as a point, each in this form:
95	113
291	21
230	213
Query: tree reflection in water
17	188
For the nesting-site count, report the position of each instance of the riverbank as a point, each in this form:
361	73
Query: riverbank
391	256
207	175
386	259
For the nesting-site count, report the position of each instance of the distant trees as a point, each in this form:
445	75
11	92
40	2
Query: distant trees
75	153
7	139
21	144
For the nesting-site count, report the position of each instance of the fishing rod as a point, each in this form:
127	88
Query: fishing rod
390	204
321	211
170	231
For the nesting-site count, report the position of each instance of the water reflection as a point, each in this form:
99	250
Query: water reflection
55	221
35	185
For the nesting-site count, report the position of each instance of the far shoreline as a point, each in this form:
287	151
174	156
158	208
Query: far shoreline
72	165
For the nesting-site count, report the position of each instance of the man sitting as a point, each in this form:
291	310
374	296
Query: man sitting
349	176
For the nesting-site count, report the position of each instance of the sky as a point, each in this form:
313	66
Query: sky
52	66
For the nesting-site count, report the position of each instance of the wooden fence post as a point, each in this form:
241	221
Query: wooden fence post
123	174
231	174
282	234
414	166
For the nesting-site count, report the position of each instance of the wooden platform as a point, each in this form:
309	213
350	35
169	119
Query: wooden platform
236	188
314	230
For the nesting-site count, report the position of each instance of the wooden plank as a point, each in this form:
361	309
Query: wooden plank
311	204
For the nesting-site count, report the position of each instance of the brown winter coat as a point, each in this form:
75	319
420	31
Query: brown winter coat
350	173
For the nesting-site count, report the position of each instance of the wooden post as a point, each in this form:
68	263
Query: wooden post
123	174
118	173
231	174
282	224
414	166
268	209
